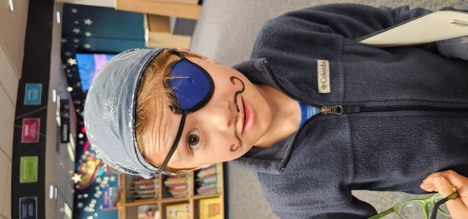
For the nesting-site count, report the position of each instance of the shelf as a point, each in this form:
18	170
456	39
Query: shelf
165	186
174	200
197	197
141	202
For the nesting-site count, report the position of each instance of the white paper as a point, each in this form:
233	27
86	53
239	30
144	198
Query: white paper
432	27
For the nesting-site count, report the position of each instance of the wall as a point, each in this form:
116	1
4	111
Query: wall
11	59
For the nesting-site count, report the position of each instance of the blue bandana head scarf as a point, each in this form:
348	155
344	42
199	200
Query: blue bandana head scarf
109	112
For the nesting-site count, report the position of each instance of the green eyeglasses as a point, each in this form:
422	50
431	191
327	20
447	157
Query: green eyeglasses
419	208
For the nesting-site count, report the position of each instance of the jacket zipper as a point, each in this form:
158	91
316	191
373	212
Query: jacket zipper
338	109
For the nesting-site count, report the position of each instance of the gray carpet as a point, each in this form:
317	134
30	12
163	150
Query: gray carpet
226	32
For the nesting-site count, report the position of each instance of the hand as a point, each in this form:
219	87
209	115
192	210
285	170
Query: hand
443	182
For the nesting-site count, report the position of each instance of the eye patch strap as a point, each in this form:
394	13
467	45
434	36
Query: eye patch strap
174	145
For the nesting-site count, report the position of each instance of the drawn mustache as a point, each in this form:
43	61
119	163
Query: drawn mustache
235	147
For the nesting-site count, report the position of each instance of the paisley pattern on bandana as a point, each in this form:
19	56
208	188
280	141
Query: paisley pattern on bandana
109	110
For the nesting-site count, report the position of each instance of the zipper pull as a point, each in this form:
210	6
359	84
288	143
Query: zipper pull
334	110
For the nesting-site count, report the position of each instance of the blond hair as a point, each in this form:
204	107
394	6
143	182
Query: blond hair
151	85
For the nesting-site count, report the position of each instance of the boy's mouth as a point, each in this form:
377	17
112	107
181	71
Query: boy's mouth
248	116
244	116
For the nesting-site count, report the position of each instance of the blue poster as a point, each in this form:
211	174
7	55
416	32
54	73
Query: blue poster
28	207
32	94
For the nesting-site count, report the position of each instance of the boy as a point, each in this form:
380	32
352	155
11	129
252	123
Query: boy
388	117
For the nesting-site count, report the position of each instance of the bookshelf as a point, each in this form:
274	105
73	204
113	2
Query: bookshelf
197	194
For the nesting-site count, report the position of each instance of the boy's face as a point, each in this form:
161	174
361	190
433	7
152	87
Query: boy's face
236	118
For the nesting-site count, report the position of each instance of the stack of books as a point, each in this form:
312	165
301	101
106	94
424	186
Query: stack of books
208	180
178	185
144	188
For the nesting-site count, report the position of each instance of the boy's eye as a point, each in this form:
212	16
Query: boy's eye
193	139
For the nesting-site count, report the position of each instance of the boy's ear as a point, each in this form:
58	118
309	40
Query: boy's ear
194	54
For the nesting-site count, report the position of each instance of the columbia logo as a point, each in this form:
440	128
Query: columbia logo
323	76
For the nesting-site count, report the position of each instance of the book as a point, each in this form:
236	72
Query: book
210	208
141	188
177	186
209	171
178	211
436	26
207	181
148	212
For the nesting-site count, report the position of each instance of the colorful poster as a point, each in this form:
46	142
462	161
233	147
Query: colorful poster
31	130
28	207
110	197
28	169
32	94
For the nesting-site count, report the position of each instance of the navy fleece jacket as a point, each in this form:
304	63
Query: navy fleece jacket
405	111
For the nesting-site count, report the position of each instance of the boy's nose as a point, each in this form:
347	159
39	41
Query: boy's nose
222	116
